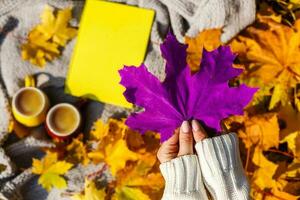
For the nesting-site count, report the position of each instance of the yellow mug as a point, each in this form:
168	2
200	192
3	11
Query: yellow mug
30	106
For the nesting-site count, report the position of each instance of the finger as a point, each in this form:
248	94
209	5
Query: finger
198	131
173	139
168	149
185	139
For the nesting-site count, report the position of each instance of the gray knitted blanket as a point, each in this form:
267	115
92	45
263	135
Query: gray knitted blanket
18	17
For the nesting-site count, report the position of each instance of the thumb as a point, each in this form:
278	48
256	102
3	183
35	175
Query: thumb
185	139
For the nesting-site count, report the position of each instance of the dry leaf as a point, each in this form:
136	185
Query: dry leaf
131	158
50	171
270	51
77	152
90	192
45	41
130	193
282	11
208	39
261	131
113	151
263	176
99	130
291	119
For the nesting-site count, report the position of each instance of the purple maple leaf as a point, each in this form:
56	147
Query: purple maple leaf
205	96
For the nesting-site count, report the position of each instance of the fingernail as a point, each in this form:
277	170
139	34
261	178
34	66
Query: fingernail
196	125
185	127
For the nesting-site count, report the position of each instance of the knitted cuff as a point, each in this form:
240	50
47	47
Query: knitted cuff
183	179
223	171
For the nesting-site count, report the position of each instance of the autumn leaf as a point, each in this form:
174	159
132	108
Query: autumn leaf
280	195
90	192
77	152
263	176
261	131
45	41
114	152
263	183
182	95
130	193
117	155
131	158
290	117
51	171
293	140
99	130
131	180
270	52
283	11
56	28
208	39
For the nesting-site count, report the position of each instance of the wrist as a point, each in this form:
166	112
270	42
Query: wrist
224	175
183	178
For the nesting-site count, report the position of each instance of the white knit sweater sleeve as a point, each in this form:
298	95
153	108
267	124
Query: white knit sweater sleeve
222	168
183	179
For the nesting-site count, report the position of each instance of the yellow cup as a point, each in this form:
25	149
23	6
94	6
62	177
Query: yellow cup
30	106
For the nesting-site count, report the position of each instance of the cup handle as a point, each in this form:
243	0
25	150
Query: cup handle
29	81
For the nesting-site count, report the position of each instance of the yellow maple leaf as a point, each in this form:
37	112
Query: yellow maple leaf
112	148
291	119
263	176
293	141
132	178
208	39
263	181
130	193
270	54
261	131
99	130
56	28
135	175
90	192
131	158
115	155
281	11
280	195
50	171
77	152
44	41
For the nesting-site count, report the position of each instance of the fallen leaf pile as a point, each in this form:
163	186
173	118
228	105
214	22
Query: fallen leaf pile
268	51
270	57
282	11
269	130
130	156
46	40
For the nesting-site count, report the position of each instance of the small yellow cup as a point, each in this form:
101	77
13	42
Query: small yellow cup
30	106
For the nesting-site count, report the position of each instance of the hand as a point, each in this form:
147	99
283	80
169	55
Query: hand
182	142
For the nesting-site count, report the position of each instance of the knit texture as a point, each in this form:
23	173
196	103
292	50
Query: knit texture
189	17
222	168
183	179
217	165
15	23
17	18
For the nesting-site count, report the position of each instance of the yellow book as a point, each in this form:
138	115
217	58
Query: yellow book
110	36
